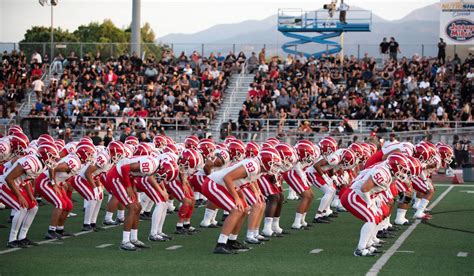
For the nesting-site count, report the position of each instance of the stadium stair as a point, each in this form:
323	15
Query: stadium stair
235	95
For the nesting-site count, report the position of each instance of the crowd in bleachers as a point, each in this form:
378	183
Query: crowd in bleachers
17	72
292	91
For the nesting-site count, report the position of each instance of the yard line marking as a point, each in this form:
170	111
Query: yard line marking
462	254
315	251
405	251
9	250
467	191
174	247
104	245
55	241
375	269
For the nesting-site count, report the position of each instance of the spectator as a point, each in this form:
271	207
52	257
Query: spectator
464	151
441	51
126	132
393	48
252	63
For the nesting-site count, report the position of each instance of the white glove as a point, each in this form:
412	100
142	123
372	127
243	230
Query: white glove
346	178
300	173
336	180
327	179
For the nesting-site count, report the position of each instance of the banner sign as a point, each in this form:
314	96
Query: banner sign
457	21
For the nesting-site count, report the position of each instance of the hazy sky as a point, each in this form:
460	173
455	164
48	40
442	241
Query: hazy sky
166	16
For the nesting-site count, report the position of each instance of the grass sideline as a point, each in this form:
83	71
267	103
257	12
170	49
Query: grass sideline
434	248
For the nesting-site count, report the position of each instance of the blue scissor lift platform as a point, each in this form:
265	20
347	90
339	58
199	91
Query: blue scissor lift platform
299	24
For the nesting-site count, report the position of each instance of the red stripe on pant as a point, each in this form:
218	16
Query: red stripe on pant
82	186
420	185
315	179
114	183
59	199
266	187
218	195
295	182
358	207
144	185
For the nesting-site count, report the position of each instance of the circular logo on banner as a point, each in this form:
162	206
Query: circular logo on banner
460	30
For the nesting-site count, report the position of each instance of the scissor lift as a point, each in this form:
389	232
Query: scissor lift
302	25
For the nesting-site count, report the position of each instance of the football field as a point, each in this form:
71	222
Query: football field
441	246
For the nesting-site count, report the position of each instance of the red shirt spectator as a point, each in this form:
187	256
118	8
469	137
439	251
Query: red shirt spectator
110	77
142	112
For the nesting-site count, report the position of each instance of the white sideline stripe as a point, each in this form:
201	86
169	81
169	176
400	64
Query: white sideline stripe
55	241
315	251
405	251
462	254
174	247
455	185
103	245
375	269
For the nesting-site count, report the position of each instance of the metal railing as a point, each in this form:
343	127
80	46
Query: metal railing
232	99
205	49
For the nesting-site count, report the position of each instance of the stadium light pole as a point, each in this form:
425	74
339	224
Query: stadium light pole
50	3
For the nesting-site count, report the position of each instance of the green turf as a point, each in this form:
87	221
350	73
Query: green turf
435	249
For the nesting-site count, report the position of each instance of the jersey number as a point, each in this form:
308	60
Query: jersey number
378	177
250	167
145	167
2	149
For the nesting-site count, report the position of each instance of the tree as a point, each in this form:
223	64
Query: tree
95	37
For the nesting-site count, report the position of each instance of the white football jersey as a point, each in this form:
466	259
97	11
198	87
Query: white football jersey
380	175
31	165
102	161
252	168
5	150
74	165
148	165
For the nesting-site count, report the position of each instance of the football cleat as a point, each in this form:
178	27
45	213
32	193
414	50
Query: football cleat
65	234
404	222
109	222
157	238
333	215
87	228
373	250
377	245
210	225
384	235
128	246
236	245
252	241
181	231
29	242
71	214
51	235
363	253
393	228
297	227
267	234
165	236
262	238
139	244
223	249
341	209
97	228
16	244
120	221
144	217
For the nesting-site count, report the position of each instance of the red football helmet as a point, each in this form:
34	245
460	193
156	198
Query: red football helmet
191	142
236	149
48	153
189	161
273	141
266	145
359	151
228	139
288	156
13	129
85	151
372	148
169	140
171	148
399	166
408	148
327	146
86	139
141	150
59	143
348	159
132	140
45	138
223	154
252	150
270	160
18	143
305	152
446	153
160	141
116	151
167	171
206	147
423	152
415	166
221	146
